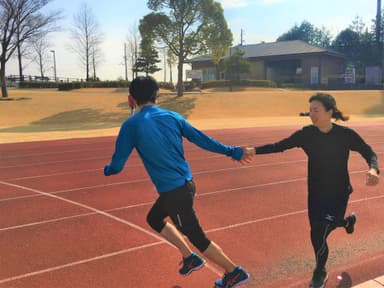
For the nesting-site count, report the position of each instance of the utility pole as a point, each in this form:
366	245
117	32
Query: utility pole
125	62
54	65
241	37
378	22
380	37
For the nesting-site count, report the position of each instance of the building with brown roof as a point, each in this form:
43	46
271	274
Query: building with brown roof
283	62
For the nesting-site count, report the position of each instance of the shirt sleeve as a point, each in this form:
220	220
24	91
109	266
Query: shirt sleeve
123	149
292	141
203	141
360	146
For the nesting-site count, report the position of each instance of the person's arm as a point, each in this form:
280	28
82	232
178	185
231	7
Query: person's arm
204	141
360	146
123	149
292	141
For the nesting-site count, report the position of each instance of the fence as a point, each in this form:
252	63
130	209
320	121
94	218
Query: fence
14	80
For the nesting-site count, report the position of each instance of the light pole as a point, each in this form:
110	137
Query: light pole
54	64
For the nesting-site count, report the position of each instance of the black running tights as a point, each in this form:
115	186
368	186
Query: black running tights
319	233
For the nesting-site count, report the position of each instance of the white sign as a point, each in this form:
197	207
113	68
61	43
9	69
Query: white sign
350	75
373	75
314	75
194	74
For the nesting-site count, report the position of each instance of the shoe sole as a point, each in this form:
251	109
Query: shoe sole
237	284
193	269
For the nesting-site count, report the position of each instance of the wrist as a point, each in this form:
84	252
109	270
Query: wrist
237	153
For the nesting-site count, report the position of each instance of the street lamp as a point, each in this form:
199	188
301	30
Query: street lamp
54	64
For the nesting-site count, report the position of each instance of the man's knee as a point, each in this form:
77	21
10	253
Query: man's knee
155	223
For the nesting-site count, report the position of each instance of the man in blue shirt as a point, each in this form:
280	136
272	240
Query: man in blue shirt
157	136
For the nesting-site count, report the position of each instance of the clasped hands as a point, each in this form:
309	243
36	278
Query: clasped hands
248	153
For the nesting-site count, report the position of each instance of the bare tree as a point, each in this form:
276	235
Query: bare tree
133	40
171	60
87	39
40	46
30	14
20	20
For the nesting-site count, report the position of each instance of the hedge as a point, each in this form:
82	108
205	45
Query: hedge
38	85
245	82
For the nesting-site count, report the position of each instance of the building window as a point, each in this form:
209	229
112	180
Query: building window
209	74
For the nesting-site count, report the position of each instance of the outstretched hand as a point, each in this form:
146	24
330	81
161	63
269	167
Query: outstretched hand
372	177
248	153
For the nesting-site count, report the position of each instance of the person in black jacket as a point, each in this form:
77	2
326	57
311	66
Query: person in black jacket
327	146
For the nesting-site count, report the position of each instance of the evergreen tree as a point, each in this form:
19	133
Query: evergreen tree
148	58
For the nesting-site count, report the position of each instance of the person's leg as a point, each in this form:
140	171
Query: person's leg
185	219
155	219
339	210
172	235
217	256
180	205
319	233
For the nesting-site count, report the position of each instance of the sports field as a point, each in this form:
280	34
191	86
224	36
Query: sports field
50	114
63	224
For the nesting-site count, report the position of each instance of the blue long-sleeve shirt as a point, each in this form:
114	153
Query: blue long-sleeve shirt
157	134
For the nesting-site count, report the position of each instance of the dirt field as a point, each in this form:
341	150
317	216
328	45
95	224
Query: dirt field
31	115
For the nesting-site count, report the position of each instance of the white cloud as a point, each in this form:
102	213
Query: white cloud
270	2
228	4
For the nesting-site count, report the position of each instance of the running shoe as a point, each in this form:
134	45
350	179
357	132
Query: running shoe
233	279
351	220
192	263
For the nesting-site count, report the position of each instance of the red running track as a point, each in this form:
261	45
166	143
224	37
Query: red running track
63	224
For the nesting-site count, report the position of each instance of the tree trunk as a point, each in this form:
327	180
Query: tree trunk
87	63
3	83
19	58
170	73
180	84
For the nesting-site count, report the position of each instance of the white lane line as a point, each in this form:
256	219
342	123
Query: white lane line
108	255
200	195
142	180
34	164
72	217
132	166
108	215
68	265
146	179
61	152
86	207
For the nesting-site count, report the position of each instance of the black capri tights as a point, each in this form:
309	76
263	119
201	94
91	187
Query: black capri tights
178	205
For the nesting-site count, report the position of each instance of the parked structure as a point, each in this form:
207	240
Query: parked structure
283	62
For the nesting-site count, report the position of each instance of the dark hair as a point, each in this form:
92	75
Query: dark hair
144	89
329	103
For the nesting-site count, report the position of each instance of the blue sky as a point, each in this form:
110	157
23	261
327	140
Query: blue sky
260	20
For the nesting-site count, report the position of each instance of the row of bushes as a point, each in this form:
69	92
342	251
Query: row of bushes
190	85
65	86
244	82
38	85
93	84
341	86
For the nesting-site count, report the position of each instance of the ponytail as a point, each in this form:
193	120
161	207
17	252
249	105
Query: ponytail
338	115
